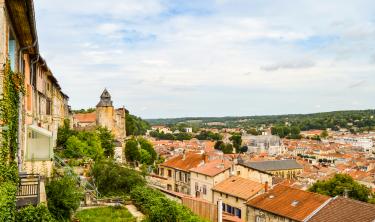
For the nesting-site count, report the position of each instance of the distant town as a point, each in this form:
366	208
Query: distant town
104	163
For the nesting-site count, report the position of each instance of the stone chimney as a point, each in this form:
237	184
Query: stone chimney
266	187
206	158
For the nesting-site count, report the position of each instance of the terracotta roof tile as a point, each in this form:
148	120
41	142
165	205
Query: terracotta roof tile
345	210
85	117
191	160
239	187
212	168
289	202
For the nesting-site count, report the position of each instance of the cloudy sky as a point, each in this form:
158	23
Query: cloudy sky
178	58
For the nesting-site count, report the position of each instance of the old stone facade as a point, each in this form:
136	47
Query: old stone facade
105	115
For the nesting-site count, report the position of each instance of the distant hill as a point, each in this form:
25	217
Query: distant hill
335	119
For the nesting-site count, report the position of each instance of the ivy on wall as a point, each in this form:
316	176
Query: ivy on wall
9	106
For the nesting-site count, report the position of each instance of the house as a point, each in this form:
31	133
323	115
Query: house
44	106
345	210
282	168
235	192
283	203
176	171
270	144
205	176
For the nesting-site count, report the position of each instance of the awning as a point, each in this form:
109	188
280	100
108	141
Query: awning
40	130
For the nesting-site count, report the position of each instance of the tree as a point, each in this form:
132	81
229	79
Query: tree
324	134
147	146
63	196
218	144
74	147
107	141
341	184
236	141
112	179
94	148
227	148
131	150
135	126
63	134
31	214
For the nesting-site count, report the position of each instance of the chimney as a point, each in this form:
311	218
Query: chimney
266	187
183	155
205	156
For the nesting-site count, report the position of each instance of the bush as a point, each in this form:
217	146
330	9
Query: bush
30	213
7	201
112	179
63	196
159	208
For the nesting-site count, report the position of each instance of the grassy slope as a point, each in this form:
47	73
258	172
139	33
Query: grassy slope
104	214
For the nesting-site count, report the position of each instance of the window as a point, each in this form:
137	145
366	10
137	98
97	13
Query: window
162	172
180	176
204	189
196	186
169	173
169	187
238	173
237	212
12	51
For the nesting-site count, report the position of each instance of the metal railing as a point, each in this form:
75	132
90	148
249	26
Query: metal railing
28	191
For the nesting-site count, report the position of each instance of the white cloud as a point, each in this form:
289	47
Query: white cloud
151	55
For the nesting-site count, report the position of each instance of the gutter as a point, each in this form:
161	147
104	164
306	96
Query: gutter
22	71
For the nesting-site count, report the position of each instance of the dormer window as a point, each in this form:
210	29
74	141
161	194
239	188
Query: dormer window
295	203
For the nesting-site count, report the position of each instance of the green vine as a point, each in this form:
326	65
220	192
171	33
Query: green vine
9	106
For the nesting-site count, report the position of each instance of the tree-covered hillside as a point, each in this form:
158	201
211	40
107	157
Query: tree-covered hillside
338	119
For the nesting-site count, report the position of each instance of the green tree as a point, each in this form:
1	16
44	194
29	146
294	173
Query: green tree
218	145
94	148
147	146
324	134
107	141
145	157
63	134
227	148
132	152
341	184
74	147
135	126
112	179
63	197
236	141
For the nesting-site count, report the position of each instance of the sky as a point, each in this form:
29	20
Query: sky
178	58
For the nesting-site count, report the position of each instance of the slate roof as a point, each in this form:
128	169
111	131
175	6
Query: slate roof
289	202
345	210
105	99
239	187
273	165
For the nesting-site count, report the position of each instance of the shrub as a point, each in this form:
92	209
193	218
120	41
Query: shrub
30	213
7	201
112	179
64	196
159	208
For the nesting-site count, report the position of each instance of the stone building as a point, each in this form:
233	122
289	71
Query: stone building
105	115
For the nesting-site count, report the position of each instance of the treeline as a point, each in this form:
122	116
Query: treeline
292	132
203	135
135	125
361	119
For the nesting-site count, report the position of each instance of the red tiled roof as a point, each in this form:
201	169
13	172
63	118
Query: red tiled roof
85	117
191	160
239	187
288	202
212	168
345	210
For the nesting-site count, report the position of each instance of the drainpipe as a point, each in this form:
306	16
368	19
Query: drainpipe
20	64
220	210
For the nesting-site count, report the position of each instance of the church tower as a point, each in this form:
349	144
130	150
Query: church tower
105	111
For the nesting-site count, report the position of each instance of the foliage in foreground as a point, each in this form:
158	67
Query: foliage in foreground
30	213
159	208
113	179
9	104
339	184
103	214
63	196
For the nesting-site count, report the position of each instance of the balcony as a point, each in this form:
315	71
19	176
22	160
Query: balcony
28	192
